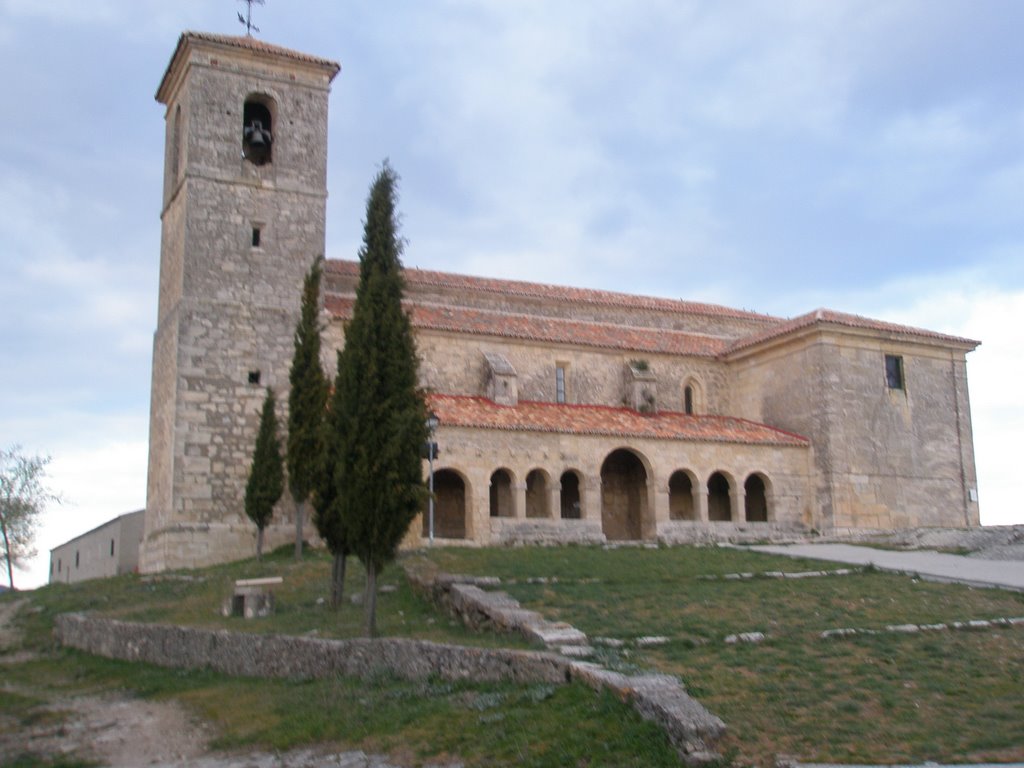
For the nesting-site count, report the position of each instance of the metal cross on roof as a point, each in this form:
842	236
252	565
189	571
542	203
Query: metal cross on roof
246	20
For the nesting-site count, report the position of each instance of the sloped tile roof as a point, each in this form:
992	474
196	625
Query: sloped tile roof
481	413
474	321
244	43
461	319
559	293
831	317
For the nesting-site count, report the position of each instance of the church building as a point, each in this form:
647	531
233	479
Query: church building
564	414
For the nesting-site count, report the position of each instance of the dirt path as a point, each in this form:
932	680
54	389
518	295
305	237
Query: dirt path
126	733
123	732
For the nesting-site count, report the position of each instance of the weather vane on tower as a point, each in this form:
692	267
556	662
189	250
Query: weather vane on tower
246	20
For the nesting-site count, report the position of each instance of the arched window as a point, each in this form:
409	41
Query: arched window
501	494
756	503
258	130
537	499
719	503
693	396
570	496
680	497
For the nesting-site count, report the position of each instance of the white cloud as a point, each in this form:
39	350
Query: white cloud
98	481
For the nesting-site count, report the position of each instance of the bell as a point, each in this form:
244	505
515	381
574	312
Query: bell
256	143
257	135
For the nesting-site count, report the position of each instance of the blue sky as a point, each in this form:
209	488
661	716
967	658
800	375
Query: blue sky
775	156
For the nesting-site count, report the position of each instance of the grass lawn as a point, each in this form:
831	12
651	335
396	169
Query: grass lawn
951	696
478	724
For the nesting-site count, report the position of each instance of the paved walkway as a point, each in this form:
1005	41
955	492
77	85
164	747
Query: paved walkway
935	566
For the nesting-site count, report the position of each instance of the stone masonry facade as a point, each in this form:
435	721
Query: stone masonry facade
566	415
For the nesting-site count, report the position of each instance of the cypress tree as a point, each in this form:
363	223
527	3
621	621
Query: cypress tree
378	414
266	478
326	517
307	400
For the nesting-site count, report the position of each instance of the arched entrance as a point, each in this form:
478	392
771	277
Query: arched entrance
756	500
570	496
719	503
449	506
623	496
538	502
680	497
501	494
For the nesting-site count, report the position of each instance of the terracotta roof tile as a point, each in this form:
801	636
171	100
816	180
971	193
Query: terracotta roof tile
245	43
831	317
566	294
481	413
549	329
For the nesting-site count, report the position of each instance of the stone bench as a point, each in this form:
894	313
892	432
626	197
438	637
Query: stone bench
252	598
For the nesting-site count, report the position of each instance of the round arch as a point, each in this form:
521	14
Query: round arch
451	505
571	495
625	507
693	396
682	503
756	495
720	489
502	501
538	496
259	118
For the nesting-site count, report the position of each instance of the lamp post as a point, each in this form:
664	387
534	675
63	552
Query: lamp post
432	423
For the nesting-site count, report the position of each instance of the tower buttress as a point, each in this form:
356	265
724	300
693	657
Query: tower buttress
244	205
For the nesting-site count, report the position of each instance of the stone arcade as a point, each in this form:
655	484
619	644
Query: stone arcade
566	415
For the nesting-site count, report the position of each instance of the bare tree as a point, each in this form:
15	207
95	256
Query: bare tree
23	497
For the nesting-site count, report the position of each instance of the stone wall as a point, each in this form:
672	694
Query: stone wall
885	458
281	656
107	550
229	301
475	454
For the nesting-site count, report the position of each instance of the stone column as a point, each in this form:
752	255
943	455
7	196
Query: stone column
737	504
555	501
700	501
661	503
590	499
519	501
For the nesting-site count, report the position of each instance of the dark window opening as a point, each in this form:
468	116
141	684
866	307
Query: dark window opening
688	400
894	372
176	143
256	237
60	564
501	494
569	497
254	377
111	547
76	559
257	133
719	500
756	500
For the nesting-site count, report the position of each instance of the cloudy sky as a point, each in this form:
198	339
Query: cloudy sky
776	156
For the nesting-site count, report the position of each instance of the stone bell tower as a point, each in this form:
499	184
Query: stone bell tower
242	220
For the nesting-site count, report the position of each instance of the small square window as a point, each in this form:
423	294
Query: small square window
254	377
257	237
894	372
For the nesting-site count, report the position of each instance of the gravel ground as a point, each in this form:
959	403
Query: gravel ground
996	542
